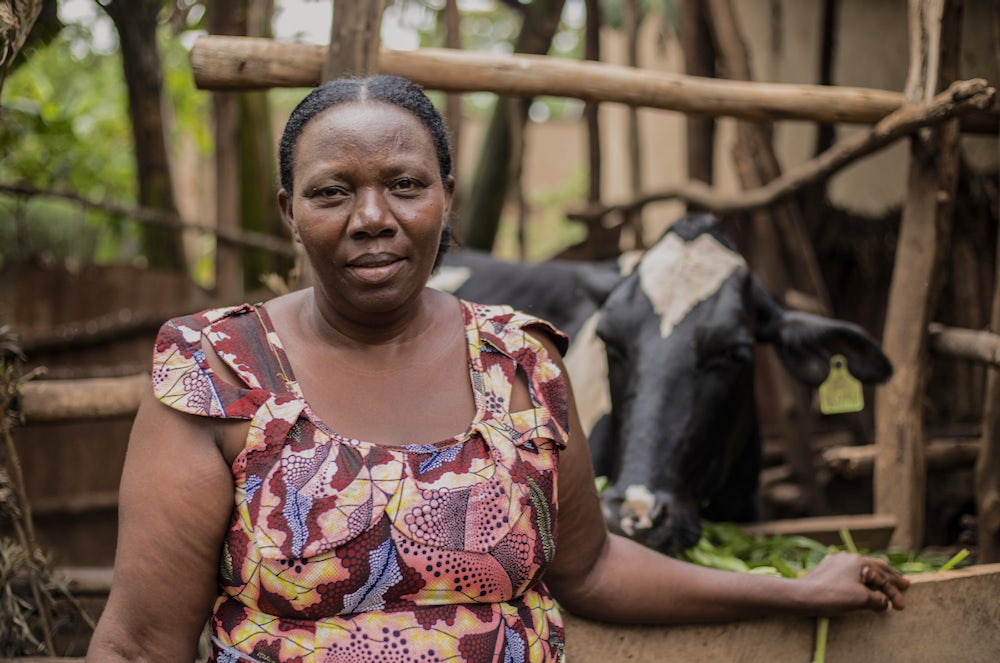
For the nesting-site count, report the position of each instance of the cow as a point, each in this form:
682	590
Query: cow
662	363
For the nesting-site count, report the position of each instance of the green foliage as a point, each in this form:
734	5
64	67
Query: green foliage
725	546
65	127
612	11
65	124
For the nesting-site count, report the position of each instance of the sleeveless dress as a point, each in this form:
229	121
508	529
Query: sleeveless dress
347	550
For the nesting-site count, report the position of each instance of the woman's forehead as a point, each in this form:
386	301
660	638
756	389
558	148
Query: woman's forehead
358	115
363	130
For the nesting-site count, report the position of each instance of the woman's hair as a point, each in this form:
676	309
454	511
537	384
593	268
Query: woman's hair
384	88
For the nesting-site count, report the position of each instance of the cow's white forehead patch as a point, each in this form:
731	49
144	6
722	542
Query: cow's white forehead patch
676	275
449	279
628	260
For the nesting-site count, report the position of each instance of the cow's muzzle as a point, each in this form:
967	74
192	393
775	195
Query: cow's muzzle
657	520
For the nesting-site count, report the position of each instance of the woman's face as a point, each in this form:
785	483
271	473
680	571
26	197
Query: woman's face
368	205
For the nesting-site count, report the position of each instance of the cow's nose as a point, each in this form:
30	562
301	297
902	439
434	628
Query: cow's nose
633	512
639	510
651	519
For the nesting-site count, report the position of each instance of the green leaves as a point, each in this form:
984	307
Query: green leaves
725	546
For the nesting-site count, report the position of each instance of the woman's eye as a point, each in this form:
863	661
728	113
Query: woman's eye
406	185
328	192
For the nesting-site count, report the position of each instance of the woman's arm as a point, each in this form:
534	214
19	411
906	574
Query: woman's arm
603	576
176	497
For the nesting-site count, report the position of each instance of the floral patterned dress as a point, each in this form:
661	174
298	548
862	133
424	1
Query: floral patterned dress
346	550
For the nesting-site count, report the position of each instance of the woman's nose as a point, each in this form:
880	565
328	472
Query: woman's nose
371	215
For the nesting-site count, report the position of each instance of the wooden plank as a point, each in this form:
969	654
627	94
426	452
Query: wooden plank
89	580
75	504
949	616
857	461
900	470
97	398
869	531
977	345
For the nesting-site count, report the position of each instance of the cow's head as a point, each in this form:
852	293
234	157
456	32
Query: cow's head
678	438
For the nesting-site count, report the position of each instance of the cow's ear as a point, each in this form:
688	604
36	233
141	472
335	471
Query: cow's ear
598	283
807	342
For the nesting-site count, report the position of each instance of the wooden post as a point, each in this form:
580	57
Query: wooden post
224	18
900	469
987	470
453	101
699	60
354	38
632	18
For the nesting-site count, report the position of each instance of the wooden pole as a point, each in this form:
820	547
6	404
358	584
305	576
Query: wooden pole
453	101
225	18
70	400
987	469
699	60
960	97
632	17
901	469
354	38
246	63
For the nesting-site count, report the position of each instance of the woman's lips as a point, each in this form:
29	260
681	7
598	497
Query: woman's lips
375	268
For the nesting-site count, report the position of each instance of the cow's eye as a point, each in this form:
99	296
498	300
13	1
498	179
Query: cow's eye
729	356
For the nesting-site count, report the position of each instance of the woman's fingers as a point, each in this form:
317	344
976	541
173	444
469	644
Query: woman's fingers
886	583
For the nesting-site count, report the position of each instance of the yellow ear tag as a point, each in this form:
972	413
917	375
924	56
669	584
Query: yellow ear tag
841	392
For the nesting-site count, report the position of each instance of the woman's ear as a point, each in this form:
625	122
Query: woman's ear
285	207
449	196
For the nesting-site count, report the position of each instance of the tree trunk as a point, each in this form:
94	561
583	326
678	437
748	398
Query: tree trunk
227	17
486	193
258	174
354	38
901	470
592	52
633	221
453	101
16	22
699	60
136	23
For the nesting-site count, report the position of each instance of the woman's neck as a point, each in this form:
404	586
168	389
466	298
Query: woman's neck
384	339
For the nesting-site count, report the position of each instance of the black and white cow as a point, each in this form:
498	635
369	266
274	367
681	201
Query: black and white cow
661	360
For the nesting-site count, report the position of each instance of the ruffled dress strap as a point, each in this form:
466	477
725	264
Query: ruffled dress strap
505	346
240	336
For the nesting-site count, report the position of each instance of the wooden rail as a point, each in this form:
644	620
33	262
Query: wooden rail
247	63
71	400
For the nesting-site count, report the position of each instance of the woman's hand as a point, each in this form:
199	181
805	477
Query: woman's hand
847	581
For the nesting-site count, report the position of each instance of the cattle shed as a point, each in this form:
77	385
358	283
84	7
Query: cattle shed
91	400
933	110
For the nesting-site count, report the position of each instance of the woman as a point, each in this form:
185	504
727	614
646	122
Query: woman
372	521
